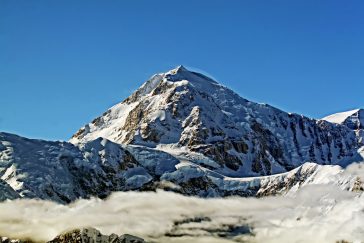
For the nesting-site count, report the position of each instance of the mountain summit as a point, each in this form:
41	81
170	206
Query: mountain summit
182	109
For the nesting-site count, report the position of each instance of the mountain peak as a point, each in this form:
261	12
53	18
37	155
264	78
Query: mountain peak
180	73
179	76
178	69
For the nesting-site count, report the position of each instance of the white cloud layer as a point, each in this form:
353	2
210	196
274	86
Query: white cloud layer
318	213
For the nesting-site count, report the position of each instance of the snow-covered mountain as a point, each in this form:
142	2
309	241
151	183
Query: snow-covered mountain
185	109
182	131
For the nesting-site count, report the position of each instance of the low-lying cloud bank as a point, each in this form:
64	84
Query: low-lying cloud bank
318	213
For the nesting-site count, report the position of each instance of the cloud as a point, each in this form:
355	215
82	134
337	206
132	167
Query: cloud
319	213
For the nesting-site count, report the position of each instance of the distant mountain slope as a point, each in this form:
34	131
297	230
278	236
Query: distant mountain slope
189	110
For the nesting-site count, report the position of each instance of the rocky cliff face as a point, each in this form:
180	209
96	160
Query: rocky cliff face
192	111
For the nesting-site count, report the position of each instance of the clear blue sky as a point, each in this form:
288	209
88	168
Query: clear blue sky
62	63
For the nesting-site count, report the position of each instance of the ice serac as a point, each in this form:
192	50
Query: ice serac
183	109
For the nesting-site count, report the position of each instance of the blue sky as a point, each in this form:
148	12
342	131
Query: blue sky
62	63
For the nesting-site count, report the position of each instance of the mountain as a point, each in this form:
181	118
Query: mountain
182	109
184	132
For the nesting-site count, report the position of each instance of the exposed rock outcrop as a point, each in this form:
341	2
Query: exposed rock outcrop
86	235
91	235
